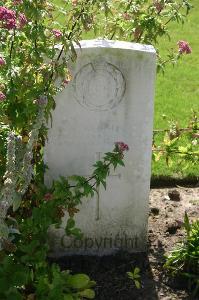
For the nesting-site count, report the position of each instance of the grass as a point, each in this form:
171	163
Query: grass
177	92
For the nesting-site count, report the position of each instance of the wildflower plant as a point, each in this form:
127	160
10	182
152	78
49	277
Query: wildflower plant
36	44
19	172
183	260
24	270
178	143
36	37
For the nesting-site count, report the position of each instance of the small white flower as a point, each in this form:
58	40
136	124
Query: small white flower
8	181
194	142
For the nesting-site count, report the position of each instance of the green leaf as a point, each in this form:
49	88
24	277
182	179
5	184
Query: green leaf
88	293
4	231
78	281
13	294
121	163
19	278
183	149
70	223
16	202
130	275
104	184
77	233
137	284
187	224
136	271
91	284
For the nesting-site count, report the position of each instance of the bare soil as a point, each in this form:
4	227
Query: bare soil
164	231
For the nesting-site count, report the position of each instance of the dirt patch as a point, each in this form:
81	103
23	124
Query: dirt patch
165	230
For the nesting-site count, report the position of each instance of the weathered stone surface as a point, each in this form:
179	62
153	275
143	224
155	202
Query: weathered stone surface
109	99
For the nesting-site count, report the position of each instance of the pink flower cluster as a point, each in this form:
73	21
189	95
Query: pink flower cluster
126	16
57	33
22	20
16	2
9	19
137	33
184	47
121	147
48	197
42	100
66	81
74	2
158	5
2	61
2	97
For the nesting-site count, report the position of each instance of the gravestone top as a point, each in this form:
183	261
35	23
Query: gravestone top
100	43
109	99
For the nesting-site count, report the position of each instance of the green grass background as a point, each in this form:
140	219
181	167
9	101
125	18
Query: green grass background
177	91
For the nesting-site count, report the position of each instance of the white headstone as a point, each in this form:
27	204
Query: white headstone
110	99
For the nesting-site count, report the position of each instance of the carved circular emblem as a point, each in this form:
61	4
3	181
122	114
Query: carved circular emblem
99	86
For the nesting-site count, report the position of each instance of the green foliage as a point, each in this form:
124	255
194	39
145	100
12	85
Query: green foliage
135	277
36	59
142	22
183	261
179	145
62	285
18	281
33	62
23	261
35	55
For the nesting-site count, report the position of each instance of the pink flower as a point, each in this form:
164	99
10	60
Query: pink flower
10	24
22	20
42	100
66	81
137	33
126	16
74	2
7	14
16	2
8	18
184	47
158	5
121	147
2	97
2	61
57	33
48	197
3	11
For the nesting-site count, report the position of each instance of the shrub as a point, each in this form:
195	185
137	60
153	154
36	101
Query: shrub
178	144
183	261
24	269
35	49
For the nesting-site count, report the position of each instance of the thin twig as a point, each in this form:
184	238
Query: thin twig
114	32
62	49
177	10
166	130
176	152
